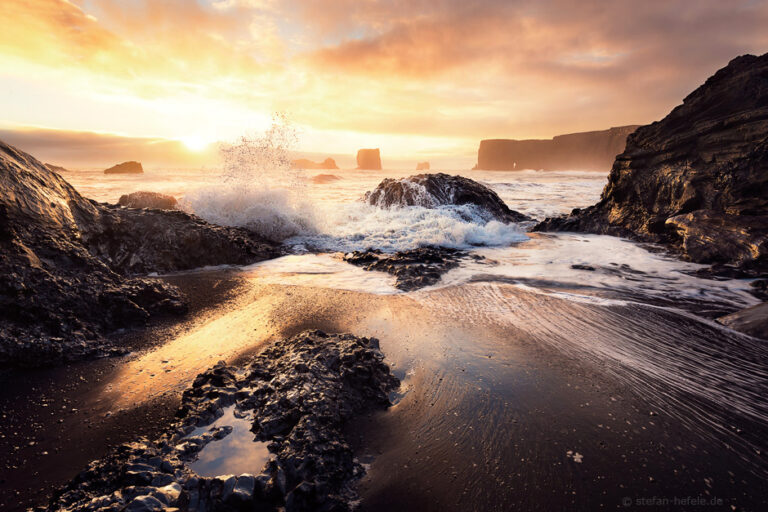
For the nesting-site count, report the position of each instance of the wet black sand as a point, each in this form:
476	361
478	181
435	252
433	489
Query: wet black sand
53	422
511	399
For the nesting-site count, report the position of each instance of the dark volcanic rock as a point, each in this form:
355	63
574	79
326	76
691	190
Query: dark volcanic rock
413	269
61	286
125	168
433	190
299	393
587	150
148	200
752	321
697	180
369	159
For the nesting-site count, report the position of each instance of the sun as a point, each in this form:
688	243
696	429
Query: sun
195	142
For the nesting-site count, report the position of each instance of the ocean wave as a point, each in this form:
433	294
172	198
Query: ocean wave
274	214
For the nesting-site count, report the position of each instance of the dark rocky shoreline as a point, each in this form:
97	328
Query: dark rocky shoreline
696	181
300	392
67	276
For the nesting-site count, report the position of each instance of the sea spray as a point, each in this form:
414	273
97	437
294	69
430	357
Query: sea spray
258	190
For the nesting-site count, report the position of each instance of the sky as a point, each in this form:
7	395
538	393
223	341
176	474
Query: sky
418	78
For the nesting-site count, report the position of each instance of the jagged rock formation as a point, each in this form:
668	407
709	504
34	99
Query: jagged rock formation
422	166
575	151
304	163
298	393
369	159
697	180
61	287
148	200
434	190
412	269
125	168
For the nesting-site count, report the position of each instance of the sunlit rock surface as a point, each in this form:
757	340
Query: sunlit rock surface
148	200
125	168
697	180
369	159
575	151
65	258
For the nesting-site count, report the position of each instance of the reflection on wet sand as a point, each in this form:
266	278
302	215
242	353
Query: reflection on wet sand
501	383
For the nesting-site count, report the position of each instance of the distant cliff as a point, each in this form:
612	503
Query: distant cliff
576	151
303	163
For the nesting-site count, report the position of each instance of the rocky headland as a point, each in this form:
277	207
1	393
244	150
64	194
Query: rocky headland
143	199
304	163
435	190
298	393
369	159
69	266
125	168
696	181
575	151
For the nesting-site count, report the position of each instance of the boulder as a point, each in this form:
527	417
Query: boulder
66	263
422	166
125	168
434	190
369	159
752	321
696	181
594	150
148	200
303	163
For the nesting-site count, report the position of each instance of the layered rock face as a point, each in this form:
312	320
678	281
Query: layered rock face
125	168
698	179
434	190
303	163
61	286
369	159
576	151
148	200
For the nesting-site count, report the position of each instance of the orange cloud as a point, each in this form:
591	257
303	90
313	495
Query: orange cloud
456	69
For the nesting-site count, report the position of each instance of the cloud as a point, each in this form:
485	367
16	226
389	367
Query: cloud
443	68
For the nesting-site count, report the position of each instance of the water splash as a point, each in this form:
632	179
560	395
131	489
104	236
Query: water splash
259	190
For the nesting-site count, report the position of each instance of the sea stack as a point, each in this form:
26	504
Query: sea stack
130	167
697	180
369	159
422	166
593	151
304	163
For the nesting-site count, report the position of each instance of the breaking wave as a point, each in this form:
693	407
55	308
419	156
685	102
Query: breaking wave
259	191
